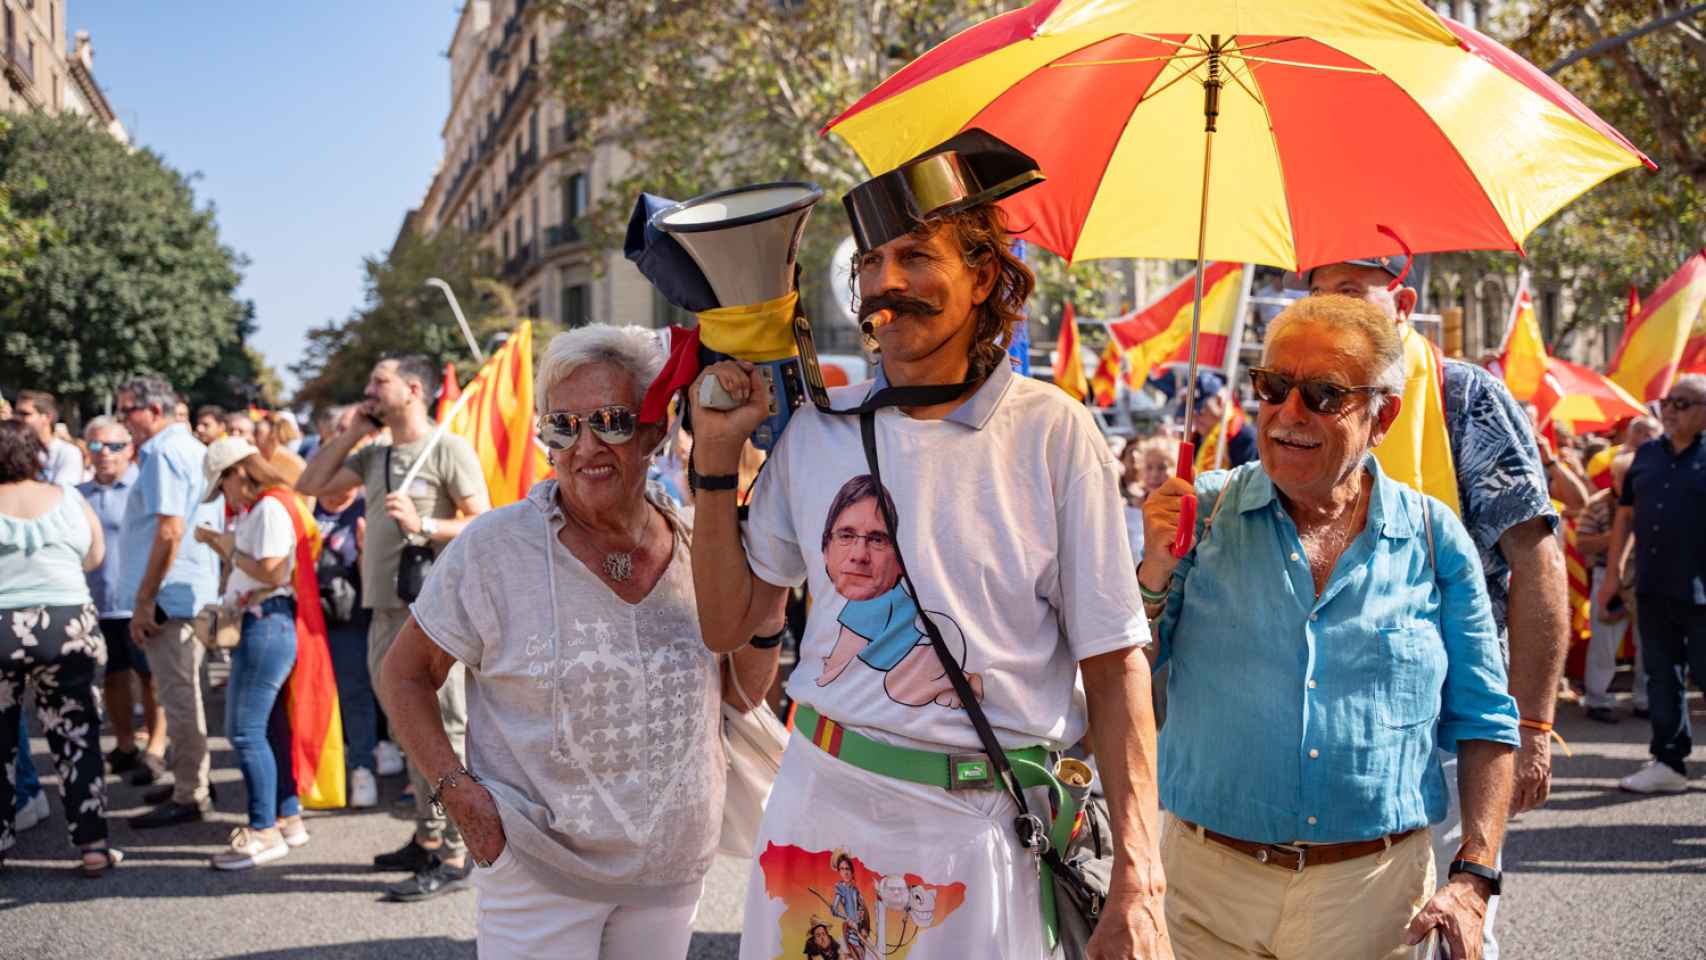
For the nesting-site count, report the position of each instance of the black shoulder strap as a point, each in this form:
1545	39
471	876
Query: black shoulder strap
387	468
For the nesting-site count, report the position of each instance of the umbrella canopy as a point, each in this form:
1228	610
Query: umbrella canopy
1334	115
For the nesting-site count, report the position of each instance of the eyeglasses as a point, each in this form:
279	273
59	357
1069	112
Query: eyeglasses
613	424
96	446
878	542
1681	404
133	408
1319	396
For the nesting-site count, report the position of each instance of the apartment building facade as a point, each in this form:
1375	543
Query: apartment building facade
517	174
40	75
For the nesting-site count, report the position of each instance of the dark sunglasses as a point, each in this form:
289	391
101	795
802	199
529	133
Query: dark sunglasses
1319	396
613	424
1681	404
96	446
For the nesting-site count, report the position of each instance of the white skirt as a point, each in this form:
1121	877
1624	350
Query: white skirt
851	865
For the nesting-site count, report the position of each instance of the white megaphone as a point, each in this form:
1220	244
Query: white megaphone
746	241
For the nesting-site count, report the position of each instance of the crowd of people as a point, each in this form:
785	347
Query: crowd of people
1354	668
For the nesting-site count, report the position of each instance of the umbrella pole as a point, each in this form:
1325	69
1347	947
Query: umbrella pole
1188	450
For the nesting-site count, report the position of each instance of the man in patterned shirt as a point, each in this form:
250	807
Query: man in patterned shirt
1501	490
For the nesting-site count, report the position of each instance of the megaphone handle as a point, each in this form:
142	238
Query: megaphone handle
1188	503
712	396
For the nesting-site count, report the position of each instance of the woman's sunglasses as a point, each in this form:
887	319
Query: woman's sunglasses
1319	396
613	424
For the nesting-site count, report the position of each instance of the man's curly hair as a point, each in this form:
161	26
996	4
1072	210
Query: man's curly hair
983	236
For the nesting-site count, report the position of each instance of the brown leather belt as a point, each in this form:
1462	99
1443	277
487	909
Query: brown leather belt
1290	857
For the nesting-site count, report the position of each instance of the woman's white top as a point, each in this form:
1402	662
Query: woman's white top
262	531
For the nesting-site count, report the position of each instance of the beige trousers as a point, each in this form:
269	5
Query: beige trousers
452	710
175	657
1223	904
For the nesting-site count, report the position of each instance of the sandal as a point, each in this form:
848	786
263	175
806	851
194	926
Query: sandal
109	859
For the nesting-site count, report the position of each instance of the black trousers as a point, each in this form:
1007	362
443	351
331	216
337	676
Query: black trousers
1673	644
55	651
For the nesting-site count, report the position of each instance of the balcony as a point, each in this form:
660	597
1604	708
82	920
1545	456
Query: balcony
564	136
19	63
525	163
560	235
516	265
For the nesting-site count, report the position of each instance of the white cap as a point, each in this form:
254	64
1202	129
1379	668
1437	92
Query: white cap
225	453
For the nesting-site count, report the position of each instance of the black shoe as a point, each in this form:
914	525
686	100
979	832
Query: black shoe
149	769
1603	714
410	858
438	878
1642	712
120	760
171	814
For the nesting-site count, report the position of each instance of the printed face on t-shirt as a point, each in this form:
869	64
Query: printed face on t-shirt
860	556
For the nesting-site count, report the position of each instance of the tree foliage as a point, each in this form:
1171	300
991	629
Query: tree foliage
1639	226
132	278
403	315
20	237
704	94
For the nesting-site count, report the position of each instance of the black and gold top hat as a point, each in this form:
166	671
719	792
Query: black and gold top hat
972	167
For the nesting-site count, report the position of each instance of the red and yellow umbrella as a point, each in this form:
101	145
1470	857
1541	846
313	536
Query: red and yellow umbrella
1318	120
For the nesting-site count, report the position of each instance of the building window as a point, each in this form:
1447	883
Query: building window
575	203
577	306
1549	318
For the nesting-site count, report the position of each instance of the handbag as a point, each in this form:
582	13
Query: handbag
753	742
1082	873
218	626
415	563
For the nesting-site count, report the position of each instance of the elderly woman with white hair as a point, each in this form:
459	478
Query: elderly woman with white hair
1328	629
592	796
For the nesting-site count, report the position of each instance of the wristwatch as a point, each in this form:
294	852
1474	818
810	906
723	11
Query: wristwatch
429	527
1493	876
711	481
773	640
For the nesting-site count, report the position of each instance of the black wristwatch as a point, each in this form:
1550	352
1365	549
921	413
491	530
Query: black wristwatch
774	640
1494	877
711	481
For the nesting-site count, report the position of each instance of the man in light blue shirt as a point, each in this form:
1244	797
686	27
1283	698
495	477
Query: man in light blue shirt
1329	630
112	454
170	577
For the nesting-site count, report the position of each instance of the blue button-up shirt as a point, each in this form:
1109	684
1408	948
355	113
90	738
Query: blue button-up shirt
169	483
1292	717
109	505
1668	491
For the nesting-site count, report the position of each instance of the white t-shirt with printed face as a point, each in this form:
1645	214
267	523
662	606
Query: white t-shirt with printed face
264	531
1012	526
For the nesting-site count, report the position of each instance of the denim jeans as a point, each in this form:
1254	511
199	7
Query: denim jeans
28	783
1673	640
355	689
256	718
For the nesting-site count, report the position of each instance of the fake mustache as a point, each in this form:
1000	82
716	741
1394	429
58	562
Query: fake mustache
878	310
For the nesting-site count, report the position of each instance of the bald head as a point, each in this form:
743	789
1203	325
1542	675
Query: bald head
1368	284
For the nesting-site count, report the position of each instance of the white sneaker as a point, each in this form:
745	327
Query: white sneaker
388	757
250	848
363	788
1655	777
33	813
294	832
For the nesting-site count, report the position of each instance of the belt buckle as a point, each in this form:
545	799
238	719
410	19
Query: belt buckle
1302	854
970	771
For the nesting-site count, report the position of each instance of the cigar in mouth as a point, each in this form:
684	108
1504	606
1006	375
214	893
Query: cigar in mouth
870	324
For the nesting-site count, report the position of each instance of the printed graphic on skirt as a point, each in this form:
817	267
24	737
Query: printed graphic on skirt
838	909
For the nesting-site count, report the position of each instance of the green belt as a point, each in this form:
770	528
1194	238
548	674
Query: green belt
949	771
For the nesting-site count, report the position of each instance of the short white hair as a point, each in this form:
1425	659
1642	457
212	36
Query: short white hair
637	350
105	423
1694	383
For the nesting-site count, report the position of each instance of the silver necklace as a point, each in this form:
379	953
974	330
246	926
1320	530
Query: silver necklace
619	564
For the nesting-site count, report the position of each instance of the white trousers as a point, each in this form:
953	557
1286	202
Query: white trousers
1601	663
518	918
1448	837
854	866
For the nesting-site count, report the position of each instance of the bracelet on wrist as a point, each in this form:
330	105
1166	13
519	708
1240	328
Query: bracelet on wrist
697	481
770	641
1152	596
447	782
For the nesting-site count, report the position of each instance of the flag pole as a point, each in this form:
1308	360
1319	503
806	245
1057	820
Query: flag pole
432	441
1234	346
456	308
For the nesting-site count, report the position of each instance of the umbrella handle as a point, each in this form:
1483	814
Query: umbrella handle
1187	503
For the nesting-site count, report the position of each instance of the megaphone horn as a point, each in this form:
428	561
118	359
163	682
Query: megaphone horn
745	239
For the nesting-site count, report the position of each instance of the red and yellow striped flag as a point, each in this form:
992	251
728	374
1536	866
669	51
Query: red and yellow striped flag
1104	383
1669	335
497	419
1524	360
1068	361
1576	571
1160	333
448	393
311	693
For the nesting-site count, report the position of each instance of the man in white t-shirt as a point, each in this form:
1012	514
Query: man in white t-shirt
1006	514
63	463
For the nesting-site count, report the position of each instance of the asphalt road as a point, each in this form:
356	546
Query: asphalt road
1597	875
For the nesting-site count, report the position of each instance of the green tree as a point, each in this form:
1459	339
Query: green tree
20	237
133	277
702	94
1639	226
403	315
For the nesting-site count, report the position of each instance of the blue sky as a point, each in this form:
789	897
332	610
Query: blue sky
313	125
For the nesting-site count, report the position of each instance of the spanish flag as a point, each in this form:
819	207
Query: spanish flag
311	693
1582	399
1576	572
1104	383
1161	333
1068	361
497	419
1524	360
1668	336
